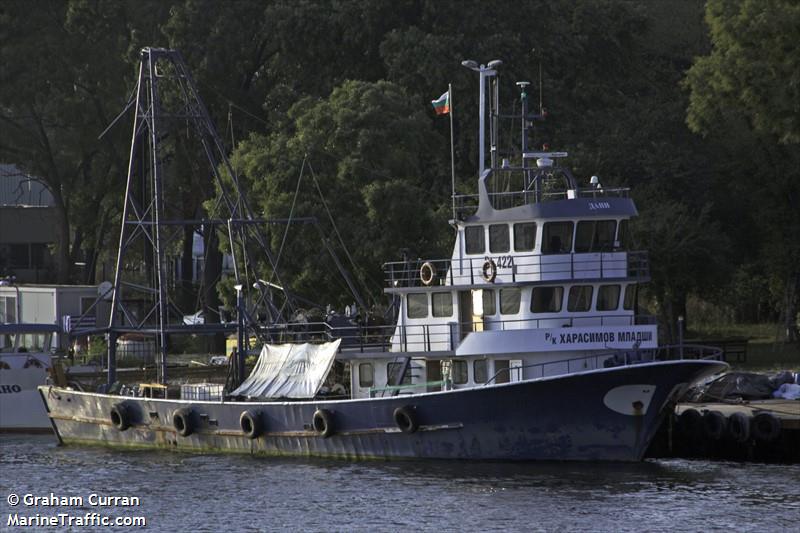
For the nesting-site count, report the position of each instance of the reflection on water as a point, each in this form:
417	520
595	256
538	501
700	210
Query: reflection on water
225	492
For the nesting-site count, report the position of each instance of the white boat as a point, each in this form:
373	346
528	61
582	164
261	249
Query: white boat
25	361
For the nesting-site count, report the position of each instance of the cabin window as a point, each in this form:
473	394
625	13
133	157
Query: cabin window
524	236
546	299
489	305
366	375
630	298
417	305
479	371
501	372
474	236
459	372
608	298
557	238
509	301
8	309
595	235
580	298
498	239
392	369
442	304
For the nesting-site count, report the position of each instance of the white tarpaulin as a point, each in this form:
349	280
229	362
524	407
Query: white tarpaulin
289	370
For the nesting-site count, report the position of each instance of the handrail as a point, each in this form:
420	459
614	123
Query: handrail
568	266
629	357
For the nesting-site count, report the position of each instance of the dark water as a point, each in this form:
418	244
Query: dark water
181	492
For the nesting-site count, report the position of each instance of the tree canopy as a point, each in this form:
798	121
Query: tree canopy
324	106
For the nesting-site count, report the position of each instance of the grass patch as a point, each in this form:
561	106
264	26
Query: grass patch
764	352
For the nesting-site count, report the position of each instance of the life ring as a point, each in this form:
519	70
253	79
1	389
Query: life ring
251	423
489	270
427	273
183	421
739	427
406	419
120	416
766	427
322	423
714	424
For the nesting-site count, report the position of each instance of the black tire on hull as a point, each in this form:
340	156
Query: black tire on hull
406	419
766	427
322	422
714	424
739	427
121	416
183	421
251	423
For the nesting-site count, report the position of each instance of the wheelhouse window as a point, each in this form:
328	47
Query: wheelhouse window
489	305
498	239
509	301
459	372
417	305
479	371
629	301
608	298
442	304
524	236
580	298
595	235
546	299
474	236
366	375
557	238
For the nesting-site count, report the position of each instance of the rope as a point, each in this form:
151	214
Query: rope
291	212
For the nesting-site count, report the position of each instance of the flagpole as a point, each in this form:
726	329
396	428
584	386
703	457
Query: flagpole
452	151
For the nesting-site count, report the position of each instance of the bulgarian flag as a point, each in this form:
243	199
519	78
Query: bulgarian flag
442	104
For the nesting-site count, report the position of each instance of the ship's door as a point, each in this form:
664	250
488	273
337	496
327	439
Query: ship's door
465	313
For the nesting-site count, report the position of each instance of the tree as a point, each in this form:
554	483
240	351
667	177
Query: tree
745	93
364	149
67	69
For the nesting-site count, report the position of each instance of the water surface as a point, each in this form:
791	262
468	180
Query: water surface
242	493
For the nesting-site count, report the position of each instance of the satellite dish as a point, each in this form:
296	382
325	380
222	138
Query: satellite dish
104	290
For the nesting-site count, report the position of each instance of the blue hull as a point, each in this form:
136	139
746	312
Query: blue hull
560	418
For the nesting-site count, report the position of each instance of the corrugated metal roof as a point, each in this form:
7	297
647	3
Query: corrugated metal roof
18	188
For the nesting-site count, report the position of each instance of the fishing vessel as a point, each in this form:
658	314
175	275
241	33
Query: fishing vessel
525	344
25	360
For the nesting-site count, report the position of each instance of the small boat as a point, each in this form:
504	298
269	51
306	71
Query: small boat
25	362
525	344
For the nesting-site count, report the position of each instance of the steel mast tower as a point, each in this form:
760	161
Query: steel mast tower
171	123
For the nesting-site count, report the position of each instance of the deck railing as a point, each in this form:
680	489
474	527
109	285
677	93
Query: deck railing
467	204
633	265
608	359
435	337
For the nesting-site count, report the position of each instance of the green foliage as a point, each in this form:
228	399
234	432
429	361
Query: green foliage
339	92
